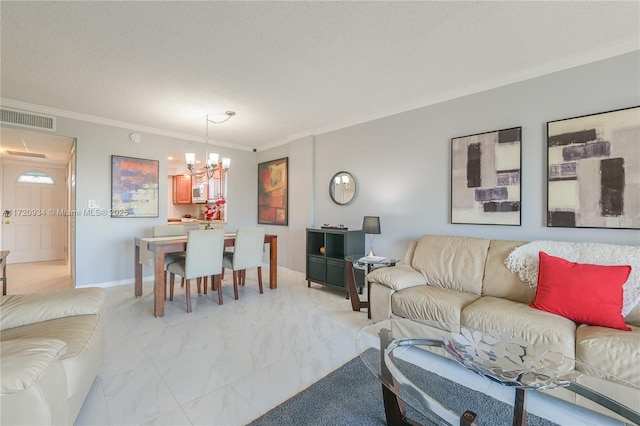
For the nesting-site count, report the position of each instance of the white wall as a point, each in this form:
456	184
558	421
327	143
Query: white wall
402	162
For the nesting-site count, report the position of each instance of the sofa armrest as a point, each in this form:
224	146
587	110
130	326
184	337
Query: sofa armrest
397	277
24	361
380	302
34	383
23	309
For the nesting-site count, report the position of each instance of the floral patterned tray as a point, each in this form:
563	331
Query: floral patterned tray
510	360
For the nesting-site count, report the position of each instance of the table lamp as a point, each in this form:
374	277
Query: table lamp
371	225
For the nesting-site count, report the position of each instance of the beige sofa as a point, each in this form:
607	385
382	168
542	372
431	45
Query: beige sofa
464	282
52	346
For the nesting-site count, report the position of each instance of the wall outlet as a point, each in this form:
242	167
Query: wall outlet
94	204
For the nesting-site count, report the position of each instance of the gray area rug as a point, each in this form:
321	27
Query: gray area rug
351	395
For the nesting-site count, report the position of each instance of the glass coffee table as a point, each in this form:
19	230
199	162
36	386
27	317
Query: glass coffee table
413	359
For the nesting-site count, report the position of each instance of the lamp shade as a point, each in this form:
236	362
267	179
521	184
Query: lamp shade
191	158
213	159
226	163
371	225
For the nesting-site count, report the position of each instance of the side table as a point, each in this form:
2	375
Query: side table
361	262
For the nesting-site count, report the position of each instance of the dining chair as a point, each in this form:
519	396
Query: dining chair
247	253
170	231
203	259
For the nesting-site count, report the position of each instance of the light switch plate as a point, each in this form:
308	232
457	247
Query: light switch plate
94	204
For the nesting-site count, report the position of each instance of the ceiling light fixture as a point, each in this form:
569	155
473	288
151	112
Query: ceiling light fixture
211	158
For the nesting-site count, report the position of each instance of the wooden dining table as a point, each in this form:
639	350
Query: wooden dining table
159	246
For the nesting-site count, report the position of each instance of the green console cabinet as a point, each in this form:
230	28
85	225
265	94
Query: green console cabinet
326	249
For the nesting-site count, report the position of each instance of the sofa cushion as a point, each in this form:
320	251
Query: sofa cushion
397	278
83	335
454	263
430	303
614	351
539	328
17	310
498	281
590	294
525	261
408	255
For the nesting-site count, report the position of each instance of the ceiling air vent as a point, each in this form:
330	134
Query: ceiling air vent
26	154
25	119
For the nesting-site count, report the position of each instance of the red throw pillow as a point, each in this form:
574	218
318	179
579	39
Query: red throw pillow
585	293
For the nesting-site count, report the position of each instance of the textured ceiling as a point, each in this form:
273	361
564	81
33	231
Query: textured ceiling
288	68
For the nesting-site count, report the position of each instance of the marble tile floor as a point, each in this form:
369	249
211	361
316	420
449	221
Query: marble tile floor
219	365
229	364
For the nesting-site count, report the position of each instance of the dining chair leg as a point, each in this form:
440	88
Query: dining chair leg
188	293
243	274
214	282
235	284
205	282
181	281
198	281
166	281
260	278
218	280
222	274
172	280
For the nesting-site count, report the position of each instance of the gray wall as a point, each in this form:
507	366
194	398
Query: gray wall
104	245
402	162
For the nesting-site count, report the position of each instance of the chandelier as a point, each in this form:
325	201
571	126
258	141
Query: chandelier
211	158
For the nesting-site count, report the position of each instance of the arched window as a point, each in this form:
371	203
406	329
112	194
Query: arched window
36	177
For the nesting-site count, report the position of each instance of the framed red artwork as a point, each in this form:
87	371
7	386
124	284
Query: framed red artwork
273	192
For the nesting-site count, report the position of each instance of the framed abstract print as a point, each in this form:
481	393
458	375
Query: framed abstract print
485	178
273	192
134	187
593	178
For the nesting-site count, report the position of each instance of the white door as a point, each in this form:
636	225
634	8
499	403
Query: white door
34	230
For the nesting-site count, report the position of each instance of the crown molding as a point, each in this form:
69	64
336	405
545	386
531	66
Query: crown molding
577	60
10	103
631	45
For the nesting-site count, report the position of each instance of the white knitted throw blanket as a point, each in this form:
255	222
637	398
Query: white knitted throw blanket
524	261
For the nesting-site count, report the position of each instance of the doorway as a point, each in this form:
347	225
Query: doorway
38	192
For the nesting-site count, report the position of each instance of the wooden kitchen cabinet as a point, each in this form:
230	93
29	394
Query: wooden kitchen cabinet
182	189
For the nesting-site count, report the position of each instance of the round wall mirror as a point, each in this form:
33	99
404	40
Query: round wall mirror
342	188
